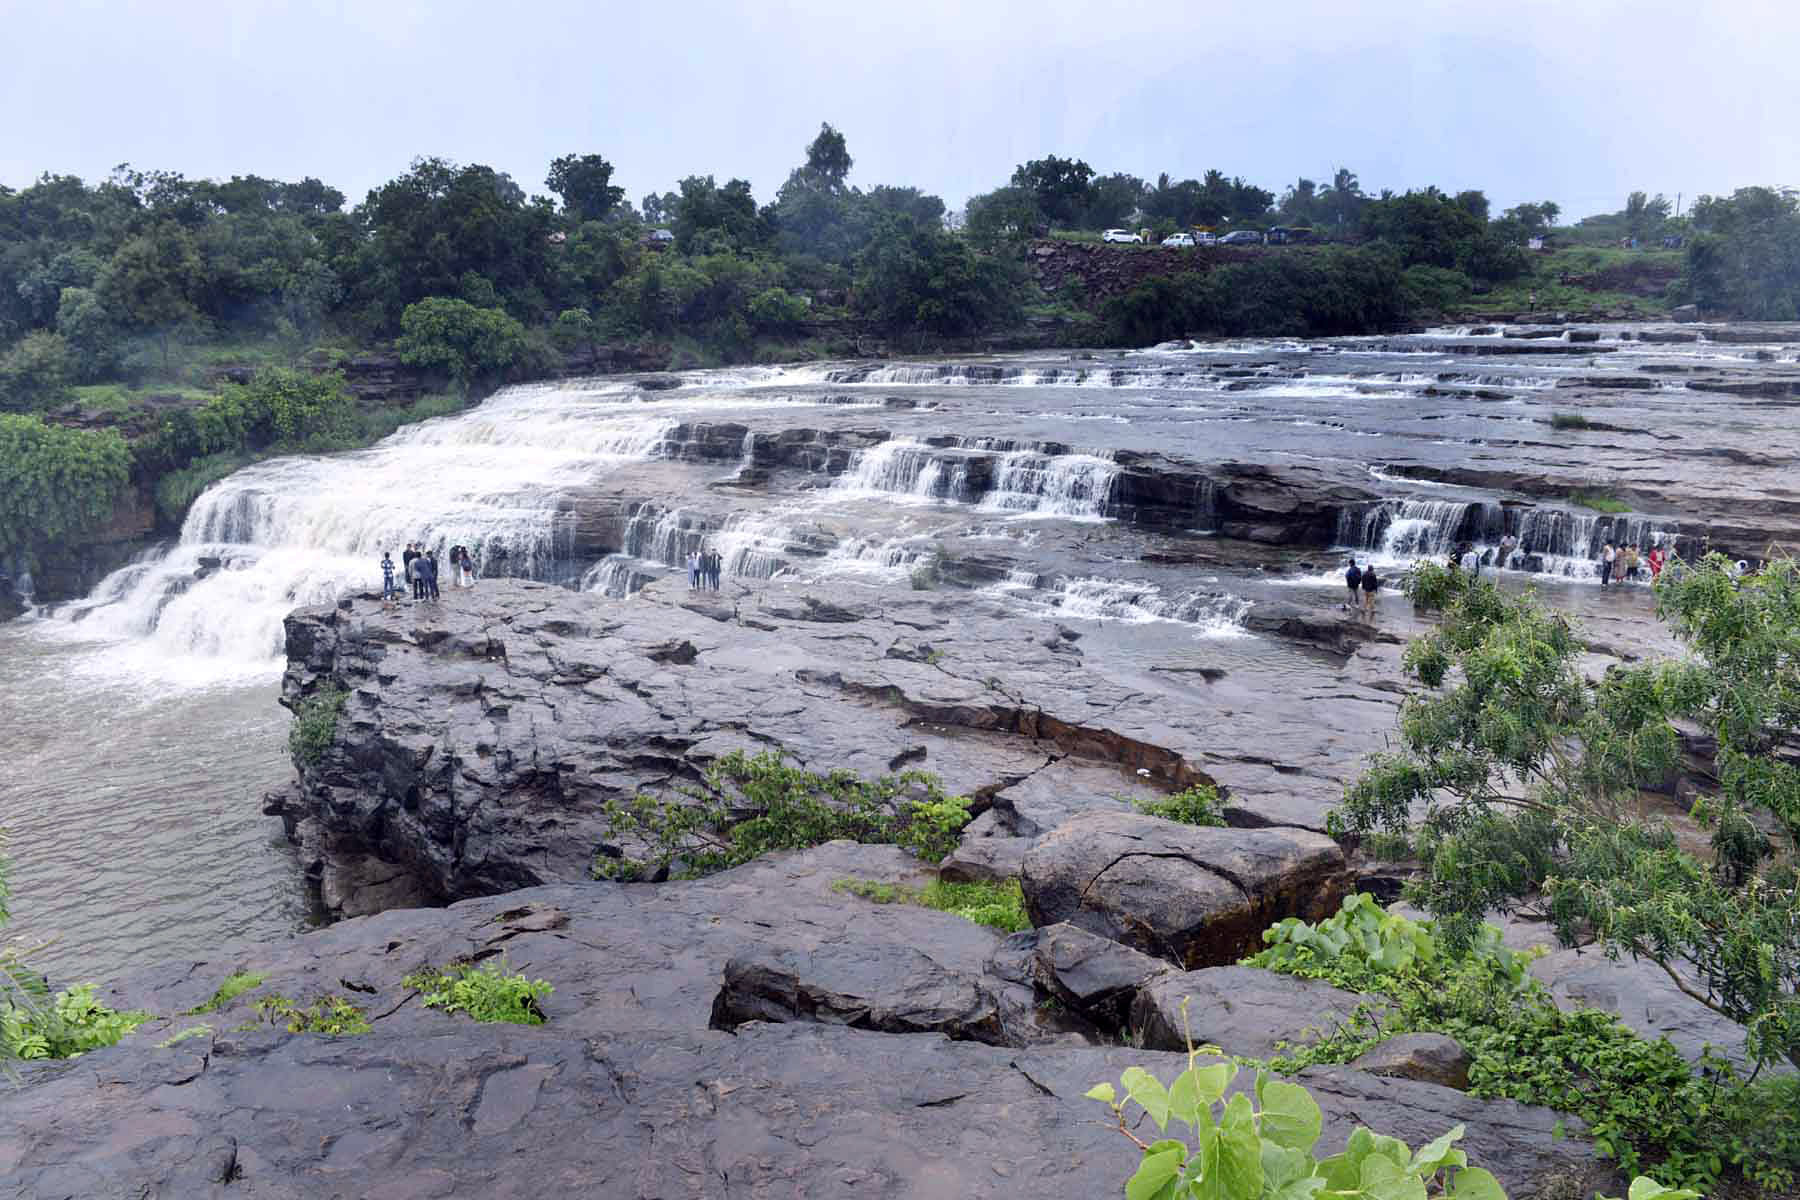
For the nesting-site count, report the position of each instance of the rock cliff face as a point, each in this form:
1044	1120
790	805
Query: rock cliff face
757	1033
481	736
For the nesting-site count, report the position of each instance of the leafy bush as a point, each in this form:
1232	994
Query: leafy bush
461	340
997	905
1642	1102
35	373
752	805
56	483
487	992
177	491
34	1024
1197	805
1434	289
326	1014
315	724
1261	1145
1569	421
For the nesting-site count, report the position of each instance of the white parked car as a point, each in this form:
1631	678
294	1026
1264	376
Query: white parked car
1179	239
1206	239
1121	235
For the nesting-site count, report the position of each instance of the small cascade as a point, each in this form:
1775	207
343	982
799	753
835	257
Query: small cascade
1550	541
616	575
1075	486
1407	529
902	467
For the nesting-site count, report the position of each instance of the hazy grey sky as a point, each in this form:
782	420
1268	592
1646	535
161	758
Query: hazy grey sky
1577	101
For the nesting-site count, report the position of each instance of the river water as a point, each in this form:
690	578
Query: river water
140	725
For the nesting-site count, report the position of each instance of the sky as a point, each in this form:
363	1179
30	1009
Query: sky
1575	101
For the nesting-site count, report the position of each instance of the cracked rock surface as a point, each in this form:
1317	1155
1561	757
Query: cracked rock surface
631	1088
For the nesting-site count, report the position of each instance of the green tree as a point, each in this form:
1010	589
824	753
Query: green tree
710	218
585	184
1520	779
828	161
1060	186
1006	215
1745	260
459	339
150	281
55	483
912	280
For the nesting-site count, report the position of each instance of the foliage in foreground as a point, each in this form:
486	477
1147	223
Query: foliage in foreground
234	986
997	905
751	805
1261	1145
315	724
487	991
1641	1101
61	1026
1197	805
1530	778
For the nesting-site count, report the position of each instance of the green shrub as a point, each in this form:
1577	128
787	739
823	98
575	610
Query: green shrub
326	1014
177	491
315	724
1197	805
56	483
459	339
1598	501
34	1024
1569	421
997	905
1643	1104
487	992
752	805
1260	1144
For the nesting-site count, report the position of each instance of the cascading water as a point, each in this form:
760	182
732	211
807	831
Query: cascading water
1549	541
300	530
1075	486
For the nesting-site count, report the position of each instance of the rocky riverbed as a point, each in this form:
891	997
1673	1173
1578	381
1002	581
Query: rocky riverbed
1060	584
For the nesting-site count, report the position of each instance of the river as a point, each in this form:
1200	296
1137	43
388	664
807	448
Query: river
141	728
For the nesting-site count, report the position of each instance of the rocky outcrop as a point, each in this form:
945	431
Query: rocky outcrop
1241	1010
1427	1057
1195	896
481	737
1093	975
632	1087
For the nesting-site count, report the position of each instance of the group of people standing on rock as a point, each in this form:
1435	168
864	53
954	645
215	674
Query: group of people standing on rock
1620	564
419	566
705	568
1363	583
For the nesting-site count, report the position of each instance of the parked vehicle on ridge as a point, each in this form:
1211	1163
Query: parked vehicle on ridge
1121	235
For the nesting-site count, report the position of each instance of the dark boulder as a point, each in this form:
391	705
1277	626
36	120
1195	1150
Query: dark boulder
1095	976
1194	896
1427	1057
1241	1010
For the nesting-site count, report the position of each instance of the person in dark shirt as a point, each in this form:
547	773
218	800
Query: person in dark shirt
428	576
1371	584
1353	581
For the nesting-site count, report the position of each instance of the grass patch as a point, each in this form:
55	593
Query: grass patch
488	992
1599	502
233	987
192	1031
1197	805
752	805
997	905
315	724
1569	421
326	1014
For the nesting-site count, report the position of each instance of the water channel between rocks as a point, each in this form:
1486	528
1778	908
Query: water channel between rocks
1150	501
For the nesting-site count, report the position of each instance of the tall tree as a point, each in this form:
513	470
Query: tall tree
585	184
1060	185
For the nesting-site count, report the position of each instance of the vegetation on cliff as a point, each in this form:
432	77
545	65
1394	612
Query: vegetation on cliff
55	482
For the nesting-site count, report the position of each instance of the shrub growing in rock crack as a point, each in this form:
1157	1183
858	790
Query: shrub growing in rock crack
751	805
315	724
486	992
1197	805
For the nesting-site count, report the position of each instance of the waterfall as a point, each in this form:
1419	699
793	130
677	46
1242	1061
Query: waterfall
1077	486
1551	541
303	529
902	467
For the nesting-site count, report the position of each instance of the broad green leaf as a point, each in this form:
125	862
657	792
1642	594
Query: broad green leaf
1290	1116
1240	1149
1473	1183
1646	1188
1184	1099
1300	1189
1390	1148
1102	1092
1436	1155
1155	1176
1283	1165
1385	1179
1144	1088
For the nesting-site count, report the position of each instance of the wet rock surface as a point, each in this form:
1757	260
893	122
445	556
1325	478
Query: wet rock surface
1192	895
1241	1010
1427	1057
630	1088
482	736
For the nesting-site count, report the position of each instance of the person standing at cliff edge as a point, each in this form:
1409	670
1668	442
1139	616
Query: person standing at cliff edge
1353	581
693	566
1371	583
387	577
